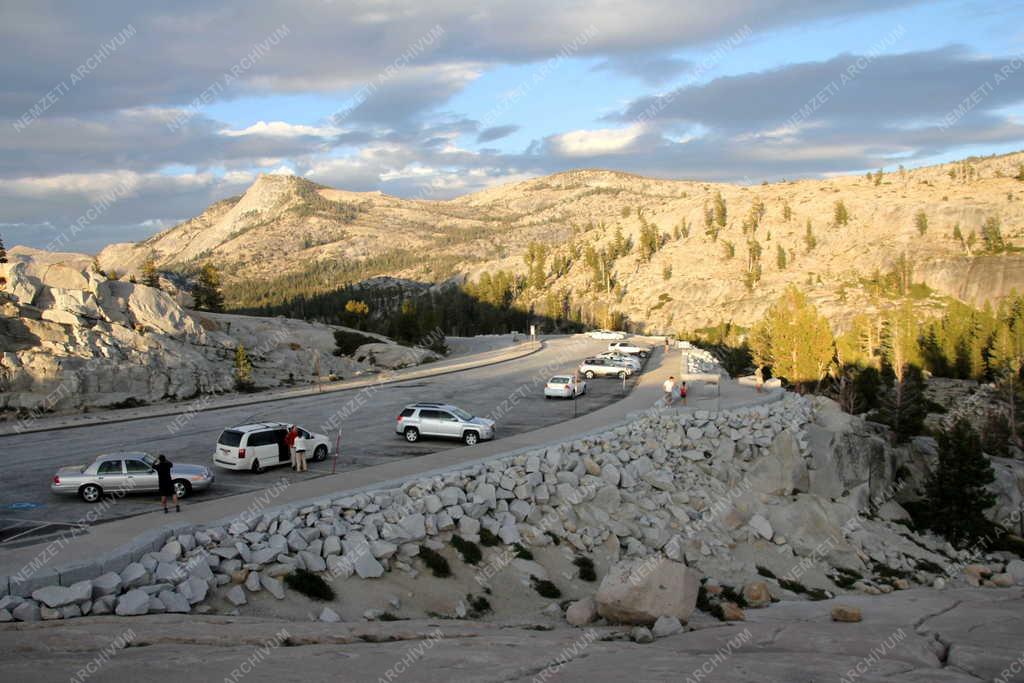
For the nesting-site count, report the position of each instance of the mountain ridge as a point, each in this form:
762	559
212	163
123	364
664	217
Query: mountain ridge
291	226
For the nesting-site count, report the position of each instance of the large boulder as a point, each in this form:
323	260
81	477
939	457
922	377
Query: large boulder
813	527
783	470
640	591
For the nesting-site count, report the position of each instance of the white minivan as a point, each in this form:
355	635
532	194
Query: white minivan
258	446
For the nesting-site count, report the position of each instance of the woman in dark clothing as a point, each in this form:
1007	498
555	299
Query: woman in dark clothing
163	477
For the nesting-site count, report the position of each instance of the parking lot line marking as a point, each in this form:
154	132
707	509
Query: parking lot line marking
41	521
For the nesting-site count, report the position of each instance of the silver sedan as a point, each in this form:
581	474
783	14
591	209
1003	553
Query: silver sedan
130	472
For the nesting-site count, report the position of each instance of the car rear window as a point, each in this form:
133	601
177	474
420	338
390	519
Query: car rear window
229	437
558	380
408	412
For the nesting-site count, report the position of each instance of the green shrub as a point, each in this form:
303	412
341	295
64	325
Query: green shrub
522	553
732	595
488	539
470	551
586	567
435	562
347	342
545	588
478	606
309	584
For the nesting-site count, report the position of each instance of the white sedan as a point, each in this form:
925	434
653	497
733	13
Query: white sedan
607	334
564	386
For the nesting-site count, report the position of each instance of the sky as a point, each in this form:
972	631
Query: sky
122	118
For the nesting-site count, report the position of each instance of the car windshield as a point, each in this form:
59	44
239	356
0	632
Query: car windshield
230	437
462	414
558	380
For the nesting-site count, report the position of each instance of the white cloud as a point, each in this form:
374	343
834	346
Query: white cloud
584	143
282	129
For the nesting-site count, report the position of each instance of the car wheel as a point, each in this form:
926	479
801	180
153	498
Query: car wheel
589	374
470	438
182	488
622	375
412	434
90	493
320	454
256	467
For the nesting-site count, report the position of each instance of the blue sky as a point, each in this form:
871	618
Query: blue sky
724	85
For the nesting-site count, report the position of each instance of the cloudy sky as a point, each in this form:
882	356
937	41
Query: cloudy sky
124	117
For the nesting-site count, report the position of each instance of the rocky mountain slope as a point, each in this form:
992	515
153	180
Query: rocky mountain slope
286	225
72	339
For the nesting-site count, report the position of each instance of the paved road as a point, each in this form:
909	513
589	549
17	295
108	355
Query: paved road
510	392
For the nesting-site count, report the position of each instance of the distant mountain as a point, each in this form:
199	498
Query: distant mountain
869	238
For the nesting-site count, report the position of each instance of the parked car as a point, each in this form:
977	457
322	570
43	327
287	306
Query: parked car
443	420
127	472
631	361
607	334
564	386
603	367
629	348
259	446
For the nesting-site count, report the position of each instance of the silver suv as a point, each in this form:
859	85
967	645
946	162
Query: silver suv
444	420
604	367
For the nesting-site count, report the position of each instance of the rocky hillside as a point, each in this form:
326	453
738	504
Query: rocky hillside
934	217
71	338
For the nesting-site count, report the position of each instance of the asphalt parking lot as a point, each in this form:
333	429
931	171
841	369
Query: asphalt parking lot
511	393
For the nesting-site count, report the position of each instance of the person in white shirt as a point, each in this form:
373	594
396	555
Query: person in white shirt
670	389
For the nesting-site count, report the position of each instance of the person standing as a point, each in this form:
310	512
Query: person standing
289	441
300	452
682	392
166	484
669	386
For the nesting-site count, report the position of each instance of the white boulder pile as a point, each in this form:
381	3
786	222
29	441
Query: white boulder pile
778	501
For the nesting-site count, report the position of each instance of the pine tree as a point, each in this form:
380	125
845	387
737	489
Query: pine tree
921	222
728	249
243	369
3	259
150	276
956	493
666	272
992	236
780	257
721	211
795	340
810	241
1006	359
840	215
207	293
903	408
957	234
787	212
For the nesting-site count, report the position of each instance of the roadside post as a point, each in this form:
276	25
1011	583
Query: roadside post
337	453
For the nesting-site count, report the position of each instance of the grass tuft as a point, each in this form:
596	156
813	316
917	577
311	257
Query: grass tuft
522	553
586	567
435	562
309	584
545	588
470	551
488	539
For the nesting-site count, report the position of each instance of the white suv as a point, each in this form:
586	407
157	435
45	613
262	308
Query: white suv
603	367
631	361
628	347
444	420
258	446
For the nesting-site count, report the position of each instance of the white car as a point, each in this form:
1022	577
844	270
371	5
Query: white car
258	446
564	386
602	367
631	361
607	334
629	348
